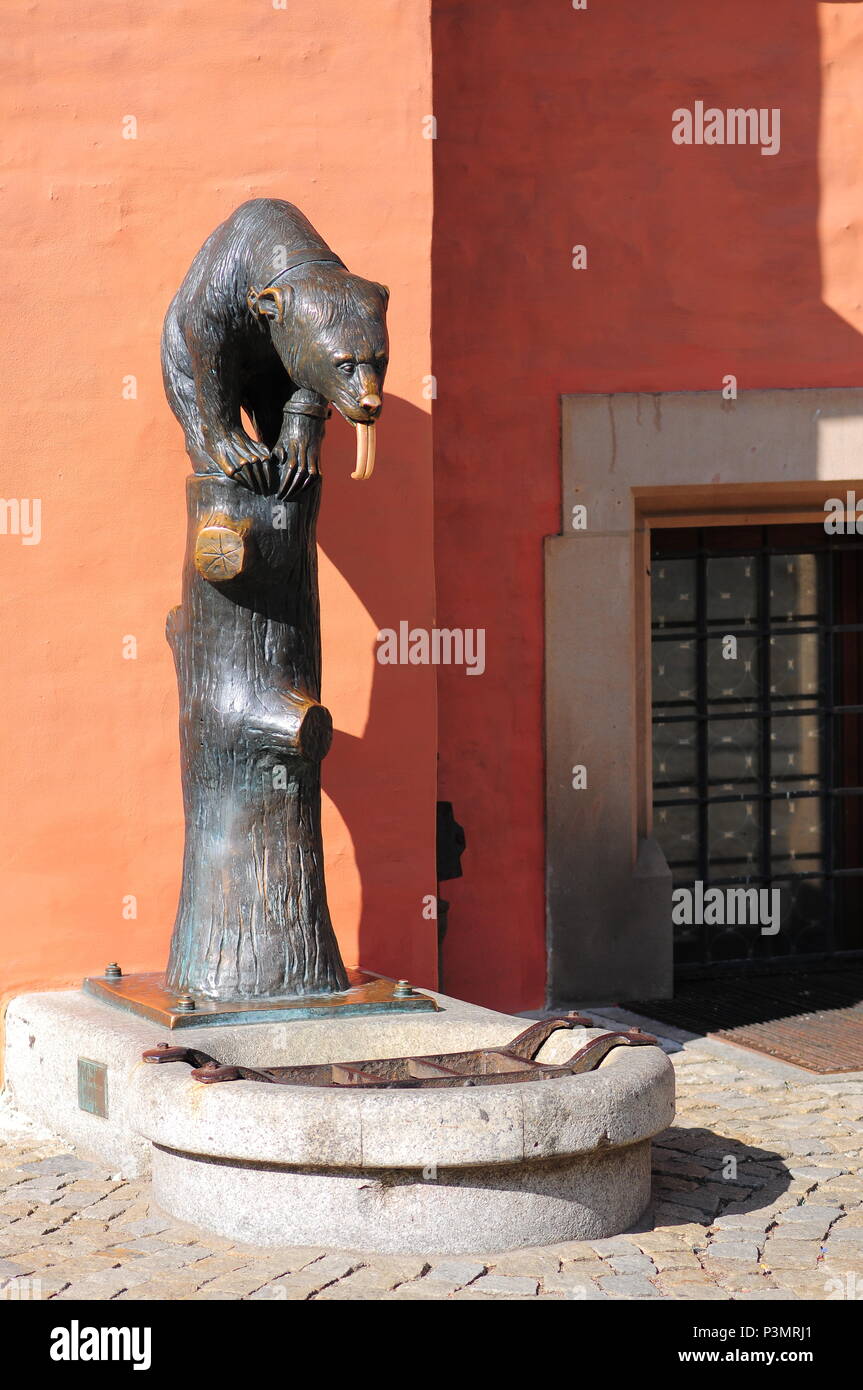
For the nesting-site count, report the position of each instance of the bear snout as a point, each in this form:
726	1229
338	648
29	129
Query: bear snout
362	411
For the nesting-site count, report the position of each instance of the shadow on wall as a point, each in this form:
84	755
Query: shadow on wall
555	130
366	531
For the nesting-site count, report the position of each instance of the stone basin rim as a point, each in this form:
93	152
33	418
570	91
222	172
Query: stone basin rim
629	1098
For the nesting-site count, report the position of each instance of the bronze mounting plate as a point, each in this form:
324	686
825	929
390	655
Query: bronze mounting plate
147	996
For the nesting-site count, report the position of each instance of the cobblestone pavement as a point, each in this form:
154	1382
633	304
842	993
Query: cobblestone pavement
758	1194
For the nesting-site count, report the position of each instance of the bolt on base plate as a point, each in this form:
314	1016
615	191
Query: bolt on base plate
147	996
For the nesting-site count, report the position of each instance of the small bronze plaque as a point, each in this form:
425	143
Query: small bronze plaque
92	1086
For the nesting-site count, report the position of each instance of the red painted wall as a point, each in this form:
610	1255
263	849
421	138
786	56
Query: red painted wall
321	103
554	130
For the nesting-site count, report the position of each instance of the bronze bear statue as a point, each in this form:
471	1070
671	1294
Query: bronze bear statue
270	321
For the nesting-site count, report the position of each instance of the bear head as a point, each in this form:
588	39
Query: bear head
329	329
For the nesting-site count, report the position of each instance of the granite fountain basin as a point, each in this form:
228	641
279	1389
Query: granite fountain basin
473	1169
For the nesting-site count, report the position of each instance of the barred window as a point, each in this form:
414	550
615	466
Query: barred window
757	751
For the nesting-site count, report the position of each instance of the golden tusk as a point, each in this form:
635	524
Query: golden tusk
370	452
362	447
363	432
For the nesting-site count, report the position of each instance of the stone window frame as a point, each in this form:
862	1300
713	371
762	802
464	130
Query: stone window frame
637	461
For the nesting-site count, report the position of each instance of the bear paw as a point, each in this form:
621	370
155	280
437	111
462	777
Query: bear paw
298	462
245	461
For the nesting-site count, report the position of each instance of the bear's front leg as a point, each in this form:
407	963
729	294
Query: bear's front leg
210	412
298	450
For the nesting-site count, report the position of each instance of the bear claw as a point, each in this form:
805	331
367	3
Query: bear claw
245	461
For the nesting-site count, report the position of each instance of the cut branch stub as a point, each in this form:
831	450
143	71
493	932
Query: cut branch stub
290	722
220	552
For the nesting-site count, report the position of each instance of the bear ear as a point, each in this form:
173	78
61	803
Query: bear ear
271	302
385	293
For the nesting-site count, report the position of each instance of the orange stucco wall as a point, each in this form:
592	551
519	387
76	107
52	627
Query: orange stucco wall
321	103
554	130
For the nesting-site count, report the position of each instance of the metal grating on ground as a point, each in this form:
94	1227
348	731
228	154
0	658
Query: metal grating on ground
813	1020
